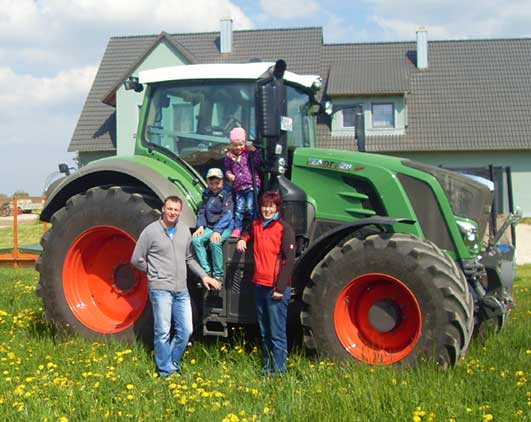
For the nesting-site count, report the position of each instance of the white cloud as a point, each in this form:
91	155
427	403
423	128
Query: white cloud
42	92
282	9
76	31
452	19
337	29
49	53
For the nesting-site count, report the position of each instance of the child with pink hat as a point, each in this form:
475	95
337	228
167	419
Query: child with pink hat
238	171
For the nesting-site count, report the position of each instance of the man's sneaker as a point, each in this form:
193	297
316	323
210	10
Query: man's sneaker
236	233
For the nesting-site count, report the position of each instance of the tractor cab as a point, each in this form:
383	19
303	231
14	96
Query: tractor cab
189	111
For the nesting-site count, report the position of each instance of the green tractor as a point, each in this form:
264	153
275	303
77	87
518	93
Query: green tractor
391	265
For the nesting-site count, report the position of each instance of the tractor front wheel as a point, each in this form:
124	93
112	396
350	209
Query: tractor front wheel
388	299
86	280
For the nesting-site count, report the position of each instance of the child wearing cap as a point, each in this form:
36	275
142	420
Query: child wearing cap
238	171
214	223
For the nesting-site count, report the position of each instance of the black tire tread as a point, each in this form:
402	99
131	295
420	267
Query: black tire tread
48	284
446	278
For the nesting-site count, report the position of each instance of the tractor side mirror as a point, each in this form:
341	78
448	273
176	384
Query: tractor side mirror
63	168
132	83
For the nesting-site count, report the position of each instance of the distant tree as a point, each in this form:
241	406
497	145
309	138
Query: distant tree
21	194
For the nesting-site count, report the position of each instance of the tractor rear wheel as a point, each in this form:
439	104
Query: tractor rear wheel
86	281
388	299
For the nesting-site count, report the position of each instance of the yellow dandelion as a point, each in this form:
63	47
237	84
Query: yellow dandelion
62	419
130	387
129	397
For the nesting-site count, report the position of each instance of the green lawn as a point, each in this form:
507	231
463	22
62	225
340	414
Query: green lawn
44	377
28	233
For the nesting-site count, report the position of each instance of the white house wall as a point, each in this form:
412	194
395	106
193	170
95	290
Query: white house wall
128	102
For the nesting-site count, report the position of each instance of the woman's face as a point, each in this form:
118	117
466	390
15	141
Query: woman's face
268	210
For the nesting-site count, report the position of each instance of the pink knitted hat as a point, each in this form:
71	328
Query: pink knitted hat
238	135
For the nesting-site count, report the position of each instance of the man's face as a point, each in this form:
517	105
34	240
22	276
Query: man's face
171	212
215	184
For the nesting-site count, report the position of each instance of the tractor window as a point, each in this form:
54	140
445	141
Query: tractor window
299	110
193	120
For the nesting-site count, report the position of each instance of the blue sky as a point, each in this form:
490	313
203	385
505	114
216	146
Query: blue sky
50	51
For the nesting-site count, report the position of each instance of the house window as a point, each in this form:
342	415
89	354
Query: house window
383	116
348	117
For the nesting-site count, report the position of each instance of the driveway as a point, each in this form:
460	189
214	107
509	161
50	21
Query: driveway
523	244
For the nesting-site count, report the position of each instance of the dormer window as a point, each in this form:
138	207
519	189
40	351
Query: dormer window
383	116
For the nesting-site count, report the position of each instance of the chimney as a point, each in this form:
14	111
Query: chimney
422	48
225	36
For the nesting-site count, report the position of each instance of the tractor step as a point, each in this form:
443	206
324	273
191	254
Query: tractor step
214	302
215	326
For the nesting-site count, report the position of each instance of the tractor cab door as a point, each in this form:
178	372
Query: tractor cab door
193	119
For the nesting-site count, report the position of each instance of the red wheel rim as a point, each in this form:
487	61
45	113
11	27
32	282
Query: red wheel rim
377	319
102	289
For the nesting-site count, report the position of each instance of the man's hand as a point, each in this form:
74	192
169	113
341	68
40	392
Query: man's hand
277	296
210	283
199	231
241	246
215	238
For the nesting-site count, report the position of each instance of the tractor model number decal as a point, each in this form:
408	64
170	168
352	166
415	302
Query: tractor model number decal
317	162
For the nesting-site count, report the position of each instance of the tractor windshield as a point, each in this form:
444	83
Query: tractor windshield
193	119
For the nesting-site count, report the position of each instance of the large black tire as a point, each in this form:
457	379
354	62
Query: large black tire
388	299
84	267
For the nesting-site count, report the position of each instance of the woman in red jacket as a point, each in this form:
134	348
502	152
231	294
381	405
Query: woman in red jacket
274	255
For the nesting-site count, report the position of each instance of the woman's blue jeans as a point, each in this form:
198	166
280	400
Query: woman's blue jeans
170	306
272	316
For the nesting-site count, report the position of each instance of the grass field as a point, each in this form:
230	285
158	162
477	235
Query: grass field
28	233
44	377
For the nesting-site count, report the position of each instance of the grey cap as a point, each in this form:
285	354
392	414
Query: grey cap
214	172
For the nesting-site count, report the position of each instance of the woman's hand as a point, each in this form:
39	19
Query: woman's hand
241	246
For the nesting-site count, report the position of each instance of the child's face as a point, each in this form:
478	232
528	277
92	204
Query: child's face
215	184
237	147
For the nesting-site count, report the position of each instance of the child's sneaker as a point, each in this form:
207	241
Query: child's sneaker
236	233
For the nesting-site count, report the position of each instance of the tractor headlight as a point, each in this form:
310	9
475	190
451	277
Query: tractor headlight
469	233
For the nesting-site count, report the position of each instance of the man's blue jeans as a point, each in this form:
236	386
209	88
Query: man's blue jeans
170	306
244	204
216	250
272	316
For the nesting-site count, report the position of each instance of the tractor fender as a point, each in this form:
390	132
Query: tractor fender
324	243
116	172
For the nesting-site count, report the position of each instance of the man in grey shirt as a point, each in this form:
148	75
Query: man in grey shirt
163	251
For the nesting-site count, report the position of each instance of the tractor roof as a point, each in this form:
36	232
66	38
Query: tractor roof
251	71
